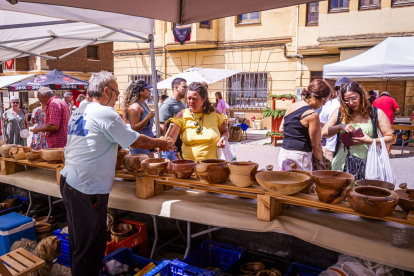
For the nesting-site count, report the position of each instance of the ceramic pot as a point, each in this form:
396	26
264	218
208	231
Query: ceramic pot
120	159
372	201
243	174
4	149
282	183
132	162
375	183
252	267
155	166
33	156
120	231
212	171
182	169
406	201
53	156
331	185
308	188
19	152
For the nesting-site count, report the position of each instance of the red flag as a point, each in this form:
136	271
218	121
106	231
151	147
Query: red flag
9	64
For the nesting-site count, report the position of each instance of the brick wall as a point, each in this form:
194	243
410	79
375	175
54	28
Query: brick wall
78	61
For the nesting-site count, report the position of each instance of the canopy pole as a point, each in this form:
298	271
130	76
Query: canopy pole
154	84
1	114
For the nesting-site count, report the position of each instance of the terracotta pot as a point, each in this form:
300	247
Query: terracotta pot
120	159
308	188
252	267
4	149
120	231
19	152
406	201
9	203
212	171
282	183
33	156
132	162
243	174
182	168
331	185
53	156
155	166
375	183
372	201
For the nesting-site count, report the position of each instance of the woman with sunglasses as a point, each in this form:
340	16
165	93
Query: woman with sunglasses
15	120
137	112
202	128
356	112
302	131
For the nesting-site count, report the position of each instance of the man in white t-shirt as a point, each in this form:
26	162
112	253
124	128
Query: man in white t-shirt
94	132
326	112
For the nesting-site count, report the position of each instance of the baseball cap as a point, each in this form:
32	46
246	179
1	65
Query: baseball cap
341	81
145	86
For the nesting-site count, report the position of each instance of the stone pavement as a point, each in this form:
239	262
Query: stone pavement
256	149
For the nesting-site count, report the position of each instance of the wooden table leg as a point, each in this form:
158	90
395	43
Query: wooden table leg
58	169
267	208
145	187
8	167
410	216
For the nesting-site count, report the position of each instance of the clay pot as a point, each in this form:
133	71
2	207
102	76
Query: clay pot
33	156
4	149
120	231
243	174
120	159
252	267
9	203
406	201
282	183
132	162
53	156
372	201
375	183
331	185
19	152
182	168
308	188
155	166
212	171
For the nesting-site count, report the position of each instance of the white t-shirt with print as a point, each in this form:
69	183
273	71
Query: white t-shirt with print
327	111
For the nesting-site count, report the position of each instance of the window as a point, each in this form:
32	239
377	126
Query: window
22	64
205	24
92	52
338	5
312	14
253	17
147	79
248	90
402	2
369	4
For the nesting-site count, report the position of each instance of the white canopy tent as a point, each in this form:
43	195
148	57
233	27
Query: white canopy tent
391	59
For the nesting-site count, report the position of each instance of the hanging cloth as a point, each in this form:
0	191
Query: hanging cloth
182	34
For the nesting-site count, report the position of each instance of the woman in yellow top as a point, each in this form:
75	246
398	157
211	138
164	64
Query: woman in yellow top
201	127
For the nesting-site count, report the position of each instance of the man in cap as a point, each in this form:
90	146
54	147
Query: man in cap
326	112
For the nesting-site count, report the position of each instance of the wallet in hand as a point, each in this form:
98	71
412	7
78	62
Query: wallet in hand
346	138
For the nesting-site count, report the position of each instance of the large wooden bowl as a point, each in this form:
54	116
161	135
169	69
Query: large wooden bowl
120	159
33	156
18	152
307	189
132	162
182	169
282	183
331	186
155	166
243	174
212	171
406	201
375	183
4	149
53	156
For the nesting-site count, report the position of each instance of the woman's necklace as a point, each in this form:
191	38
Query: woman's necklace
353	118
197	123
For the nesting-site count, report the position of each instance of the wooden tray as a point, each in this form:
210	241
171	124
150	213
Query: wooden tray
19	262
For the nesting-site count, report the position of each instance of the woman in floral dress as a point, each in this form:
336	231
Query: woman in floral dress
38	119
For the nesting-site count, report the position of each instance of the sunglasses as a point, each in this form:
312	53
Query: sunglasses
15	102
116	91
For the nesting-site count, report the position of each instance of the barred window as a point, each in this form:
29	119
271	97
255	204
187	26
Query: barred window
248	90
147	79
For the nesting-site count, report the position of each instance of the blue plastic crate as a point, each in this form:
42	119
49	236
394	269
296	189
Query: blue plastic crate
178	268
214	254
299	269
17	208
125	256
63	261
64	240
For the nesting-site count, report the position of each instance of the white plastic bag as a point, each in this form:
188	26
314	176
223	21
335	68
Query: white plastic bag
388	174
227	153
373	169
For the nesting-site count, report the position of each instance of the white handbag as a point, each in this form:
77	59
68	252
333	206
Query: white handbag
24	133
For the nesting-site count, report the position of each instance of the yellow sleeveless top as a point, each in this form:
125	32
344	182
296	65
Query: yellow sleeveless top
203	145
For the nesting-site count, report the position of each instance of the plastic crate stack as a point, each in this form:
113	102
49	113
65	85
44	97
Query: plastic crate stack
64	258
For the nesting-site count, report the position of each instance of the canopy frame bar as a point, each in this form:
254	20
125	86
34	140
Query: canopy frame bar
35	24
128	33
25	39
27	52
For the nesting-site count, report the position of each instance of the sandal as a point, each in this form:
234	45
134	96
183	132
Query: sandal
392	156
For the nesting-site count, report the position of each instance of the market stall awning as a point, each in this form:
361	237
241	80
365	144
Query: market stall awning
391	59
179	11
7	80
55	80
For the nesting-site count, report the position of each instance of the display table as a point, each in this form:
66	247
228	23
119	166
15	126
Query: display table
348	234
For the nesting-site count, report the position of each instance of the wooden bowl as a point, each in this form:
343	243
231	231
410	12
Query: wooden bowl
372	201
282	183
406	201
212	171
243	174
307	189
155	166
120	159
19	152
252	267
33	156
4	149
331	185
375	183
132	162
121	231
53	156
182	169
